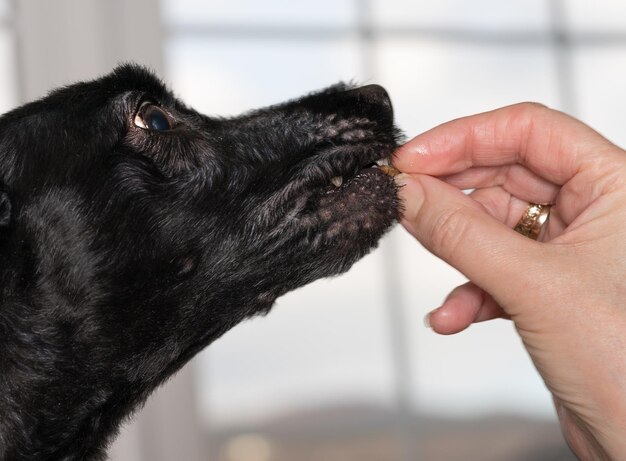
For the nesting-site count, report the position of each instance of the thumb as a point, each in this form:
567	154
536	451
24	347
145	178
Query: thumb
459	230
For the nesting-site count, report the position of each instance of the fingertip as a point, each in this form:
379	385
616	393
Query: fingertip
438	151
445	321
408	157
458	311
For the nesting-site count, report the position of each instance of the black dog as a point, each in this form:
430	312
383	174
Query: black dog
134	231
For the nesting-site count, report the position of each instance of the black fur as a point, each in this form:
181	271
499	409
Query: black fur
125	251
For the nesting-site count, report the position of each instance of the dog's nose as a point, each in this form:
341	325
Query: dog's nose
374	101
375	94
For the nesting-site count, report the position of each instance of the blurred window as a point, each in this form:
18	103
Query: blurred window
449	16
8	96
241	14
607	16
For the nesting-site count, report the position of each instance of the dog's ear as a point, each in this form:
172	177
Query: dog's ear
5	209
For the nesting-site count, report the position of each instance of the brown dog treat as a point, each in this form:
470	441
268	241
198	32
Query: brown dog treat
390	170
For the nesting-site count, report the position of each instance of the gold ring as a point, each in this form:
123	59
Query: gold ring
533	220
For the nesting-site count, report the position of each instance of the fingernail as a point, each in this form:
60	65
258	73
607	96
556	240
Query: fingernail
411	194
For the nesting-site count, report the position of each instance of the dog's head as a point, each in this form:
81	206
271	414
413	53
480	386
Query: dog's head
139	230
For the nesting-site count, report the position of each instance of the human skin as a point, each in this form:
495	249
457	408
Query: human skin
565	292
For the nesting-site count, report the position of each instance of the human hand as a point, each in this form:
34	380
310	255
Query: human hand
566	291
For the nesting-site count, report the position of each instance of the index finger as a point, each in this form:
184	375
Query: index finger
553	145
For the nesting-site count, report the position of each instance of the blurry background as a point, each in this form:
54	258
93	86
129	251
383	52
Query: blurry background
343	369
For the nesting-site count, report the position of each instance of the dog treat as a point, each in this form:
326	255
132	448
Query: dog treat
390	170
384	164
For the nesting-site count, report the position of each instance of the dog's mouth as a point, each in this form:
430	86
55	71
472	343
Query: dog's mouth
383	164
378	174
356	200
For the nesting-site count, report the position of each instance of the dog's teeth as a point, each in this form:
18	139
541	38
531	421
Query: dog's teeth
384	164
337	180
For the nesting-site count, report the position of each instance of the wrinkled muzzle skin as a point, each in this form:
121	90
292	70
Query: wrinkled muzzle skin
129	244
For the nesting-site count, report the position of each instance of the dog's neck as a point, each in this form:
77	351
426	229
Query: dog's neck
65	383
76	355
65	389
52	408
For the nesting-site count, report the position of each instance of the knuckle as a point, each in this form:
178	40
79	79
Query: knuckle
531	106
528	110
448	232
528	116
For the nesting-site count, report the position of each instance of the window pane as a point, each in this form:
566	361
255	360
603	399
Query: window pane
262	13
600	74
321	345
599	16
8	96
483	15
4	9
229	76
439	82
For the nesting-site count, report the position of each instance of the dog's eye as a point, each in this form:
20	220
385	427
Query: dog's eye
152	117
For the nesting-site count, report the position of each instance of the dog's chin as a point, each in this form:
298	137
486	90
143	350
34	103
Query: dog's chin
344	222
353	210
361	209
